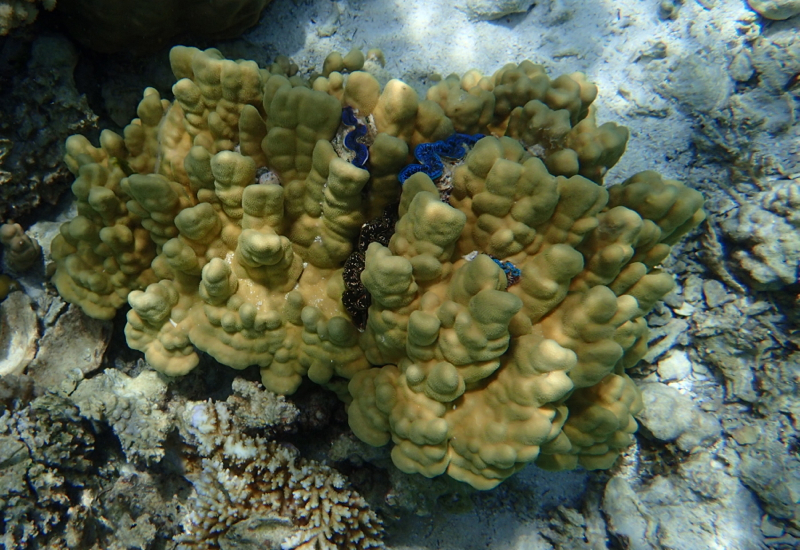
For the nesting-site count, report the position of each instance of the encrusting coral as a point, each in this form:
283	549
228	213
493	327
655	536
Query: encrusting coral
505	307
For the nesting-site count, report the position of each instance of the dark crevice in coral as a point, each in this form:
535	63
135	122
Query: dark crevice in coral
118	353
356	298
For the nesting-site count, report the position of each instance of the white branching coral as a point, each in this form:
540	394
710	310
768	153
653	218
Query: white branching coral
263	491
250	490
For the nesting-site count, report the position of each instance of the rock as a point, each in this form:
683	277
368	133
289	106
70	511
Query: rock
666	338
767	246
624	512
745	435
776	60
700	505
715	293
668	9
700	83
672	416
771	528
741	68
776	9
19	333
494	9
675	366
771	468
693	288
70	349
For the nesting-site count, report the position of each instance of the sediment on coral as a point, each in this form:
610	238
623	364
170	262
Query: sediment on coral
503	311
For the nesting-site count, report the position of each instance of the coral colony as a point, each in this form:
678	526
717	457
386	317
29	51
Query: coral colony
477	306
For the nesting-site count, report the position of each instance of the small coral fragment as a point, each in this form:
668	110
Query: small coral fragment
20	252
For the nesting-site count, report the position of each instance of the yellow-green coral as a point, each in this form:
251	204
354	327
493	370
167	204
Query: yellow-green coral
172	218
225	219
481	378
20	252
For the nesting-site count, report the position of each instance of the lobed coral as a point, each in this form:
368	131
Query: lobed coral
483	377
20	252
505	307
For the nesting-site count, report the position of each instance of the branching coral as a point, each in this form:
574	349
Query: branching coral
133	407
247	488
211	425
226	217
265	490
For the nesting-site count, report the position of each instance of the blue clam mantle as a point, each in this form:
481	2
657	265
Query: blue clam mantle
429	155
